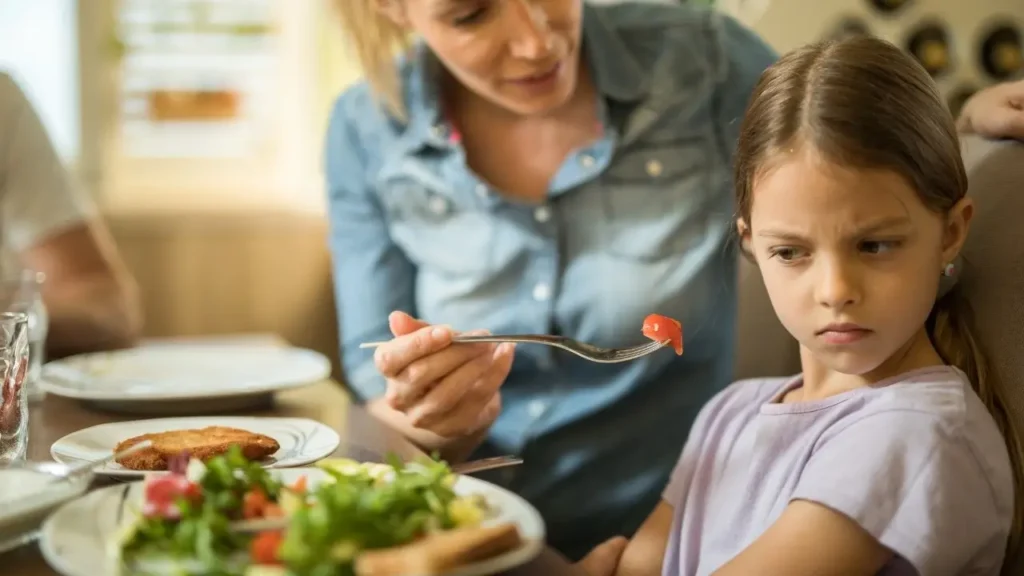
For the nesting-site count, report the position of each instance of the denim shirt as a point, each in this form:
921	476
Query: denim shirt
638	222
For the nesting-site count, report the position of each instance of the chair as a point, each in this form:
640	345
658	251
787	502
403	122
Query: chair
993	275
992	279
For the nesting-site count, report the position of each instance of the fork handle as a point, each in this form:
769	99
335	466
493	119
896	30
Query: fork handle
534	338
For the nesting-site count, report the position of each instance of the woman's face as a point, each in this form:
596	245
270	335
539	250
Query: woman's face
522	55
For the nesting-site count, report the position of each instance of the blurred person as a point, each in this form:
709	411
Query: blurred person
49	225
995	112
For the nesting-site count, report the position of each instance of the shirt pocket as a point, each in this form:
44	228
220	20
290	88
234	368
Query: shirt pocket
437	232
657	199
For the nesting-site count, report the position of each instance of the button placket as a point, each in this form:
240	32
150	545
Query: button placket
541	292
542	214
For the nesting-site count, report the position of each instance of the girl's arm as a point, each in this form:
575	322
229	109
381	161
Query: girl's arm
810	539
645	553
642	555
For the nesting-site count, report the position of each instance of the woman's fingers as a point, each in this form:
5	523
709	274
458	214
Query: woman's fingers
395	356
468	399
420	377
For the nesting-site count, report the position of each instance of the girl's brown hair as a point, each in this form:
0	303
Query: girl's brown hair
863	103
376	40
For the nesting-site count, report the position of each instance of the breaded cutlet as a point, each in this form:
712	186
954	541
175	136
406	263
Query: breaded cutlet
201	444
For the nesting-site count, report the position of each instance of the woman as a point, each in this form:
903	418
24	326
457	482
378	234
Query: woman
540	166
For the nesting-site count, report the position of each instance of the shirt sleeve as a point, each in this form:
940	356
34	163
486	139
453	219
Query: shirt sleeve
39	198
372	275
743	57
919	490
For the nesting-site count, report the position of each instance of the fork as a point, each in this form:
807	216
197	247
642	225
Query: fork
581	349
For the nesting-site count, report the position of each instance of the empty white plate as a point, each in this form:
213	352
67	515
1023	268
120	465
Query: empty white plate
166	378
302	441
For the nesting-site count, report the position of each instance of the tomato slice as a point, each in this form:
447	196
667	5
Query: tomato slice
660	328
253	504
264	547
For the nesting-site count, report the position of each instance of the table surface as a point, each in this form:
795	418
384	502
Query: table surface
362	437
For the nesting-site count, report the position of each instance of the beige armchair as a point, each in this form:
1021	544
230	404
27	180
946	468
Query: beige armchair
993	280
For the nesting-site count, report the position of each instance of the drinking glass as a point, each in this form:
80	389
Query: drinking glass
14	361
23	292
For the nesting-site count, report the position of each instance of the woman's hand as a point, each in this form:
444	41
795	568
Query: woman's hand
995	112
451	391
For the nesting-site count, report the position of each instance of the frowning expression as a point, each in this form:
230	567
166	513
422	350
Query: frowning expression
851	257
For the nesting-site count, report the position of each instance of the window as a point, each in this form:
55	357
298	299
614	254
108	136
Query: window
39	48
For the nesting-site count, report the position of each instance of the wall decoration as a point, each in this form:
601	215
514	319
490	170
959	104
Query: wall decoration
197	77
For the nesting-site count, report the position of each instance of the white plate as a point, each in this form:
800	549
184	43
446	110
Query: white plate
74	538
302	441
165	372
29	491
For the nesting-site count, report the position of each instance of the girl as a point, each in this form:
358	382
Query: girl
891	453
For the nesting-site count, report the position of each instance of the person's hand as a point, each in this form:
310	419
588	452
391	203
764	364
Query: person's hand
604	559
452	391
995	112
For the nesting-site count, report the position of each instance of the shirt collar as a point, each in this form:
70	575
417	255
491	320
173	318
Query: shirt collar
616	73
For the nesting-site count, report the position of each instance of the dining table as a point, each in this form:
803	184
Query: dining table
363	437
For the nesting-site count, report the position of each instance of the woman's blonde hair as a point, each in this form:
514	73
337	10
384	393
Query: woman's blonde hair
377	40
863	102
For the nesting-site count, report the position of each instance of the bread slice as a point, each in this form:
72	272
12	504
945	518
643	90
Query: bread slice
440	552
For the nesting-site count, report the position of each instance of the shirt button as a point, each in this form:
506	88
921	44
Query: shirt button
587	160
439	130
542	214
541	292
481	190
654	168
438	205
536	408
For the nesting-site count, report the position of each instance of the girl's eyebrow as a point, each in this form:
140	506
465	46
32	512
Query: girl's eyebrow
441	6
871	228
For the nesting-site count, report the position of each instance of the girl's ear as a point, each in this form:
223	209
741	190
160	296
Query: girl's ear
958	224
743	231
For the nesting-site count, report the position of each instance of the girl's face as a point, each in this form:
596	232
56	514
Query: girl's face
851	258
522	55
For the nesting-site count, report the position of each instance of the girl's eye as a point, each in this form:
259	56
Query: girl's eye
469	17
878	246
786	253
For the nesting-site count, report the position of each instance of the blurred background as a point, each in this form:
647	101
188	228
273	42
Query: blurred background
197	127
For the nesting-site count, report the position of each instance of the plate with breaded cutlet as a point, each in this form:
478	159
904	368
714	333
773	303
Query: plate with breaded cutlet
274	442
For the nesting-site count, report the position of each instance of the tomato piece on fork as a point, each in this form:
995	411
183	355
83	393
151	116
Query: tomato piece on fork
661	328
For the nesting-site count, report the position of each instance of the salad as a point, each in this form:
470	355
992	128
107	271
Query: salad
185	524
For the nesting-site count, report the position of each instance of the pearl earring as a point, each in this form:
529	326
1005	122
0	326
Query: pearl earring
948	270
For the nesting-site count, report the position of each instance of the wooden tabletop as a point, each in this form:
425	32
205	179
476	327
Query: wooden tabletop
363	437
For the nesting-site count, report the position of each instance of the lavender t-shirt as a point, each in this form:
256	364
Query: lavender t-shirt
916	460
